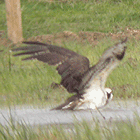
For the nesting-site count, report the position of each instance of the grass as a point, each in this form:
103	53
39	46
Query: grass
104	16
29	82
95	130
52	17
32	79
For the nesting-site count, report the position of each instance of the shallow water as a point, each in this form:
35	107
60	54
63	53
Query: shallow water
117	110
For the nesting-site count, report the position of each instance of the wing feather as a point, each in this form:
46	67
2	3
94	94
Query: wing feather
71	66
50	58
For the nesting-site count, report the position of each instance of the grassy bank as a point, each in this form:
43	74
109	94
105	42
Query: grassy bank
29	82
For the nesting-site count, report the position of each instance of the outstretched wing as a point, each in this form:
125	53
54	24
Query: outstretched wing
70	65
96	76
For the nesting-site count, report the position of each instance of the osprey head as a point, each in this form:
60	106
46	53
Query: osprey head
119	49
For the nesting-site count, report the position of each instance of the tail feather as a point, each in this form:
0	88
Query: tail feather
70	104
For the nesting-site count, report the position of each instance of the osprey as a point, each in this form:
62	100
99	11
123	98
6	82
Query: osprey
88	83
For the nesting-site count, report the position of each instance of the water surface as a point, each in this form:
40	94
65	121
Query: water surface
117	110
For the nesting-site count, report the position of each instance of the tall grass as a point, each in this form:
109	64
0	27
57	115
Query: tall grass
126	130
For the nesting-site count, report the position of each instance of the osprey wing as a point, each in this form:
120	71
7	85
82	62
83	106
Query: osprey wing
97	75
70	65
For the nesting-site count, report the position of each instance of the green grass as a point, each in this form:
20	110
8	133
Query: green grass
105	16
29	82
52	17
126	130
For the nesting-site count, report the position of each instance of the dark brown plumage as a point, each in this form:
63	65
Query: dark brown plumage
71	66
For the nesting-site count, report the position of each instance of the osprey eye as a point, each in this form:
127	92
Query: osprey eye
108	95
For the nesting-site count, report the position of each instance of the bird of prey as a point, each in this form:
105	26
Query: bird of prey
88	83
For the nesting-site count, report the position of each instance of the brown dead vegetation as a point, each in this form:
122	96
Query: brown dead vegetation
91	37
81	37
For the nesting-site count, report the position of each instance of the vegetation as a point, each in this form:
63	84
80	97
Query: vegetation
79	15
30	82
94	131
32	79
